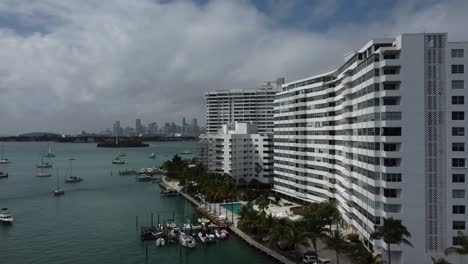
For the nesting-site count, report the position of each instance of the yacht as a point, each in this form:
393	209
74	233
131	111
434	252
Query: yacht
72	179
44	165
118	161
152	156
58	191
187	241
4	160
186	152
43	174
49	153
3	174
5	216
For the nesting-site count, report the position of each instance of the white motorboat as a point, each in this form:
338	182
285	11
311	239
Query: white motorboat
121	154
225	232
152	156
203	220
187	241
219	234
5	216
43	174
118	161
4	160
202	237
186	152
160	242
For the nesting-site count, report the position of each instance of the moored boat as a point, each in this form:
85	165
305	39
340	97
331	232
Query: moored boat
58	190
4	160
44	164
152	156
160	242
3	174
5	216
186	152
49	153
73	179
187	241
144	178
43	174
169	192
117	160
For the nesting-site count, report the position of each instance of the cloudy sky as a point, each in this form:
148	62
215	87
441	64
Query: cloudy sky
67	66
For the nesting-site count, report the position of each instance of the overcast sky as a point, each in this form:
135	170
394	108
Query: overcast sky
67	66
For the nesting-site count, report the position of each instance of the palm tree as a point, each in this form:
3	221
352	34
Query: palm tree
296	237
439	261
392	232
335	241
315	228
463	250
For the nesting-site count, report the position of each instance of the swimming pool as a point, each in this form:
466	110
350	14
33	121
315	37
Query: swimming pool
235	207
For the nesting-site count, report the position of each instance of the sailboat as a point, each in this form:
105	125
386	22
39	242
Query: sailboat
43	173
58	191
72	179
4	160
49	153
43	164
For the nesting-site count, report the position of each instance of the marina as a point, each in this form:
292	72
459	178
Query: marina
99	214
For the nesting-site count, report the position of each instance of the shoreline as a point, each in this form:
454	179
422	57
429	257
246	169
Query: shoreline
239	233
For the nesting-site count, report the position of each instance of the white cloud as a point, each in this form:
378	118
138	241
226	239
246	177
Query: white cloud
94	62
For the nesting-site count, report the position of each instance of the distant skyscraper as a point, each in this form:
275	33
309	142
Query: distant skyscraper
184	125
195	130
116	130
138	128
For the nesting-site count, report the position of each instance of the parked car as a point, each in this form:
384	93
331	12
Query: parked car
309	257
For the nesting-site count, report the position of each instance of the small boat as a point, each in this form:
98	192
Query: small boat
49	153
44	165
5	216
202	237
225	232
219	234
118	161
121	154
73	179
171	225
144	178
3	174
43	174
186	152
203	220
169	192
4	160
160	242
150	233
58	191
187	241
152	156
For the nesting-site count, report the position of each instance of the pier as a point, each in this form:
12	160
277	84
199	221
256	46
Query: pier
212	217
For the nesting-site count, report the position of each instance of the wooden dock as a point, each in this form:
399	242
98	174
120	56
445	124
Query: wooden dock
261	247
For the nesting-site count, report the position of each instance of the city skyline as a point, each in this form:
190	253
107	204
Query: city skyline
113	60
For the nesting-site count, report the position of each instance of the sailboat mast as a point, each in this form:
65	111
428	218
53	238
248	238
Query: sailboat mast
3	146
71	167
57	178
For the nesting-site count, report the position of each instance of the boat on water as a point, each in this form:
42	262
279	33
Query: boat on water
43	174
44	165
152	156
58	190
150	233
187	241
4	160
144	178
186	152
49	153
169	192
117	160
5	216
219	234
3	174
72	179
204	220
160	242
121	154
205	238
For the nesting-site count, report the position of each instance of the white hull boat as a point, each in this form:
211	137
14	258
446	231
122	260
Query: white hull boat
160	242
187	241
5	216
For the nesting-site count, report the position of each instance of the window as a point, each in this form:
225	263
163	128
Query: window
458	163
458	178
391	193
391	131
458	209
457	146
458	68
458	100
458	53
391	162
458	225
457	241
392	177
458	115
458	131
391	101
458	84
390	147
458	194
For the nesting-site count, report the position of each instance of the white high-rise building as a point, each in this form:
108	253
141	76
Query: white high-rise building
239	151
242	105
383	135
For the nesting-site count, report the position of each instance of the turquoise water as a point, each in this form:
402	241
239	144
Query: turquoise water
95	221
235	207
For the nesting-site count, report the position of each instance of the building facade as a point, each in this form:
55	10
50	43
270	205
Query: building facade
242	105
239	151
383	135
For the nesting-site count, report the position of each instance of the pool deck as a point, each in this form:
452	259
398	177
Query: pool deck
214	217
